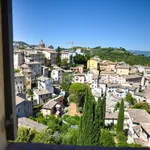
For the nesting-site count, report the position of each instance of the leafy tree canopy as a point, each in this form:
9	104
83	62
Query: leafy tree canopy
117	105
130	99
107	138
80	59
142	105
16	70
77	91
25	135
66	82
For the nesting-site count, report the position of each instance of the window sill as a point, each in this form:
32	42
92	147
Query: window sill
38	146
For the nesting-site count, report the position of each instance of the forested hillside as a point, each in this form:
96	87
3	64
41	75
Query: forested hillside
120	54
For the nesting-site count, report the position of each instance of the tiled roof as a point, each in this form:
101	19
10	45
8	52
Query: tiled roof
41	91
137	129
113	116
18	51
50	104
139	115
19	100
96	58
67	71
42	78
119	91
108	72
131	88
27	70
122	67
33	63
79	74
28	123
139	94
146	127
132	76
141	142
19	74
112	85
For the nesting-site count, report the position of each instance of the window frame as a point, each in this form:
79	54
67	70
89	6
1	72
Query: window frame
10	121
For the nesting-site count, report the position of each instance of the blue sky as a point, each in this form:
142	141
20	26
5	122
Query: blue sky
89	23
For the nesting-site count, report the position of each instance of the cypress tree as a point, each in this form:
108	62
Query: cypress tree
120	121
58	57
97	123
103	111
86	122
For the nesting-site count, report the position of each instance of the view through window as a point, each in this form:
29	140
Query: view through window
82	72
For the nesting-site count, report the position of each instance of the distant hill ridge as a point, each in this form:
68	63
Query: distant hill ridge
20	43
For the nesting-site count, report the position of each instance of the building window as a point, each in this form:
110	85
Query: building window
18	110
20	82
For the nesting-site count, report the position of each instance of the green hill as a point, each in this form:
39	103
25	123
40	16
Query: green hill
21	43
120	54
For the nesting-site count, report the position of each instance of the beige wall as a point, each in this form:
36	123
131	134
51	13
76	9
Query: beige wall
46	112
122	71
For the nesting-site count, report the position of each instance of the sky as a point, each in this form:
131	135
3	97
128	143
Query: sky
89	23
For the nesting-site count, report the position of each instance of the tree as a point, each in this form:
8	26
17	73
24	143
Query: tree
64	63
120	121
86	122
117	54
98	122
80	59
142	105
58	57
130	99
103	109
47	136
53	123
122	140
70	138
16	70
117	105
51	47
66	82
92	120
71	60
107	138
77	93
25	135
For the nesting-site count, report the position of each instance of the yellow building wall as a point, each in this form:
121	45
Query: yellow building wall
92	64
27	84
